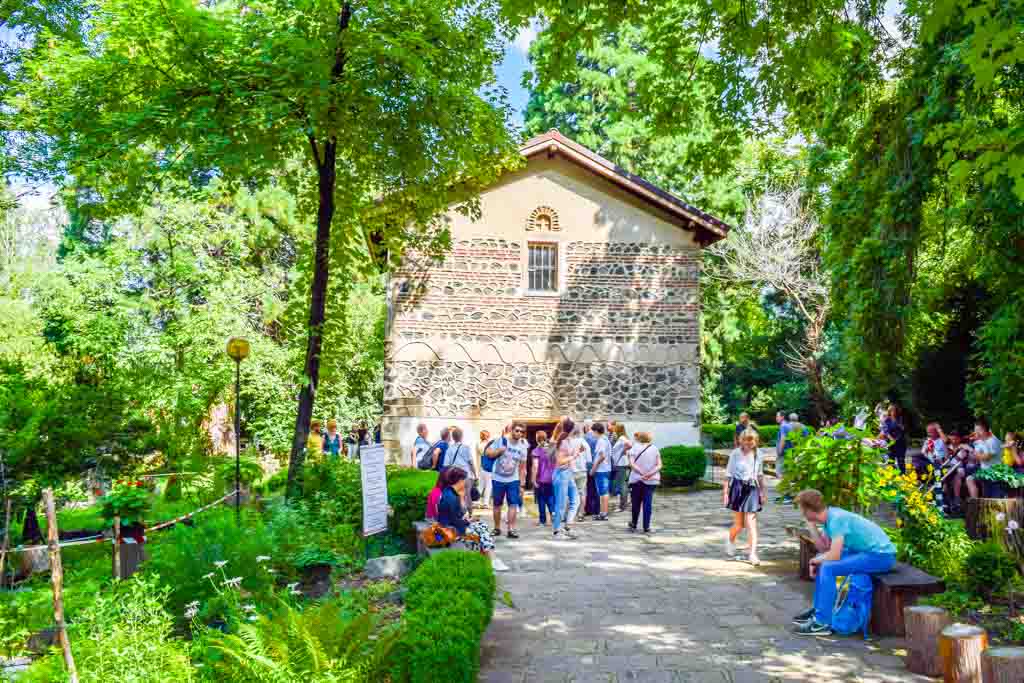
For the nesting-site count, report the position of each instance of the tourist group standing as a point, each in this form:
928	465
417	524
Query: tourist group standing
565	470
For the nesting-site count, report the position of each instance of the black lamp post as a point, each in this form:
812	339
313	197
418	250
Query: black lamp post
238	350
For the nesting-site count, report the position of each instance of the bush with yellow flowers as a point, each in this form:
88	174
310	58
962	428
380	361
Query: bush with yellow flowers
923	537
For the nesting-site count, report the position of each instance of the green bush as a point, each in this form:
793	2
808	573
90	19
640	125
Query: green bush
722	434
187	555
989	569
450	601
172	492
682	465
408	490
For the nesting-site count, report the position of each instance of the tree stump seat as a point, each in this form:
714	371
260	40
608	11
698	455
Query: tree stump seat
895	590
807	552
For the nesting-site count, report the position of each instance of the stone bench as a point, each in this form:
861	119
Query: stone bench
425	551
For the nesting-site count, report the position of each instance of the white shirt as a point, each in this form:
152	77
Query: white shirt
993	447
604	448
458	455
506	467
579	465
645	456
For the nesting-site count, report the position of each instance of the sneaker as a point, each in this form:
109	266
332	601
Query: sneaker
754	560
648	531
632	527
602	518
496	532
730	547
512	533
803	617
569	533
813	628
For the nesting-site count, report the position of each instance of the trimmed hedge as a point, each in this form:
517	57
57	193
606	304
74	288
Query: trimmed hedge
449	603
682	465
408	490
722	434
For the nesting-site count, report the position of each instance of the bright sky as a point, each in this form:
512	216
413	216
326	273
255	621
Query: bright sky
510	73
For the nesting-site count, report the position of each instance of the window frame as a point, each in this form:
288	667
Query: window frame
554	248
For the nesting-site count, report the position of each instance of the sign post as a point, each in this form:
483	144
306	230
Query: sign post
375	490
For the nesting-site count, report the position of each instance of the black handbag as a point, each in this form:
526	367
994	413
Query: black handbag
474	493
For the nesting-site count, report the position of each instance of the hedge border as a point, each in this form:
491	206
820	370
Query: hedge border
449	603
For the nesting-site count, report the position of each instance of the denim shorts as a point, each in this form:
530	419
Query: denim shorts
501	489
602	481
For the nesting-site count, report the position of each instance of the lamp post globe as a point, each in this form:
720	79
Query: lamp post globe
238	350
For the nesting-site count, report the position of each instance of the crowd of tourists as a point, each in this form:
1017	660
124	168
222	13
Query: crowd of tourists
575	472
326	439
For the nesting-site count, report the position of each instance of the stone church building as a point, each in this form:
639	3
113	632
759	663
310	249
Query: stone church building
577	293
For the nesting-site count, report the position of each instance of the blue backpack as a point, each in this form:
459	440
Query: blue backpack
852	610
487	463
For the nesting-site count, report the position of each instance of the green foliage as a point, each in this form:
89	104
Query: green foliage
172	491
408	490
249	472
989	569
1002	474
126	635
127	499
942	548
956	601
722	434
317	644
844	470
188	554
682	465
449	604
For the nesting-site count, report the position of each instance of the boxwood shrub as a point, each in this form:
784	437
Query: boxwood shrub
449	603
682	465
722	434
407	495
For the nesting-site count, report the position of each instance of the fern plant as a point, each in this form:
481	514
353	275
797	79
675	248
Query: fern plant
315	645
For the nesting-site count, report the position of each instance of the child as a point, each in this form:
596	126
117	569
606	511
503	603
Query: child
434	497
743	492
544	468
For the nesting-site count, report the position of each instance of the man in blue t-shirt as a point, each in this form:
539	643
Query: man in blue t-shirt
421	445
851	544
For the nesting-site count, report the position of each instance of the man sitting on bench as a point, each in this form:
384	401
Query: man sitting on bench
850	545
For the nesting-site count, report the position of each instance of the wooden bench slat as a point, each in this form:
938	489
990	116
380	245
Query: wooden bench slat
906	576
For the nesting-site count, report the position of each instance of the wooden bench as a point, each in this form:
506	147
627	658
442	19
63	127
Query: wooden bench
423	550
898	589
892	591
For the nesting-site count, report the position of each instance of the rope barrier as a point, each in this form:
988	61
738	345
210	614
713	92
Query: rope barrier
100	538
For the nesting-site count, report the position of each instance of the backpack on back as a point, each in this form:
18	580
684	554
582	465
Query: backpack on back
426	461
487	462
852	610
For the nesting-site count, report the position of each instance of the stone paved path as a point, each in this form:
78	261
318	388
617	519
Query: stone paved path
614	607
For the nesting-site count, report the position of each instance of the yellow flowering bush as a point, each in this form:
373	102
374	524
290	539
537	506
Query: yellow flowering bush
923	537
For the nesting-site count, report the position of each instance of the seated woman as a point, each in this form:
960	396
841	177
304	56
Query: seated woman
434	497
474	535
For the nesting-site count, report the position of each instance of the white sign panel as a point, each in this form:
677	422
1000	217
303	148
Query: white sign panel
375	489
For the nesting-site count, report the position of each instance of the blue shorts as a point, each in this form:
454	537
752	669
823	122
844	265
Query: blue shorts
501	489
602	481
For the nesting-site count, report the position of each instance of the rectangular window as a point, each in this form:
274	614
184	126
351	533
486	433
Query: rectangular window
542	267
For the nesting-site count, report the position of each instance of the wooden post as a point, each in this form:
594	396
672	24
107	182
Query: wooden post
57	578
117	547
7	538
960	646
924	624
1003	665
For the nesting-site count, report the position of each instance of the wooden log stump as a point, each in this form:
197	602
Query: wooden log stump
1003	665
960	646
924	624
807	552
980	517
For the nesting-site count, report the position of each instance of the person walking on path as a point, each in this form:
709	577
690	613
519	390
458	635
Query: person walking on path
742	425
601	470
486	465
421	445
507	477
781	446
620	465
543	471
744	493
894	431
474	535
851	544
564	452
645	462
440	448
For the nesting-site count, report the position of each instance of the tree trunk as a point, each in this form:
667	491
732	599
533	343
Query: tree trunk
1003	665
325	155
981	521
923	625
960	646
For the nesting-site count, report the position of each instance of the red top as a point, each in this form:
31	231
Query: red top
432	500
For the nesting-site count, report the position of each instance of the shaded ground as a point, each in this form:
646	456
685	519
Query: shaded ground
614	606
